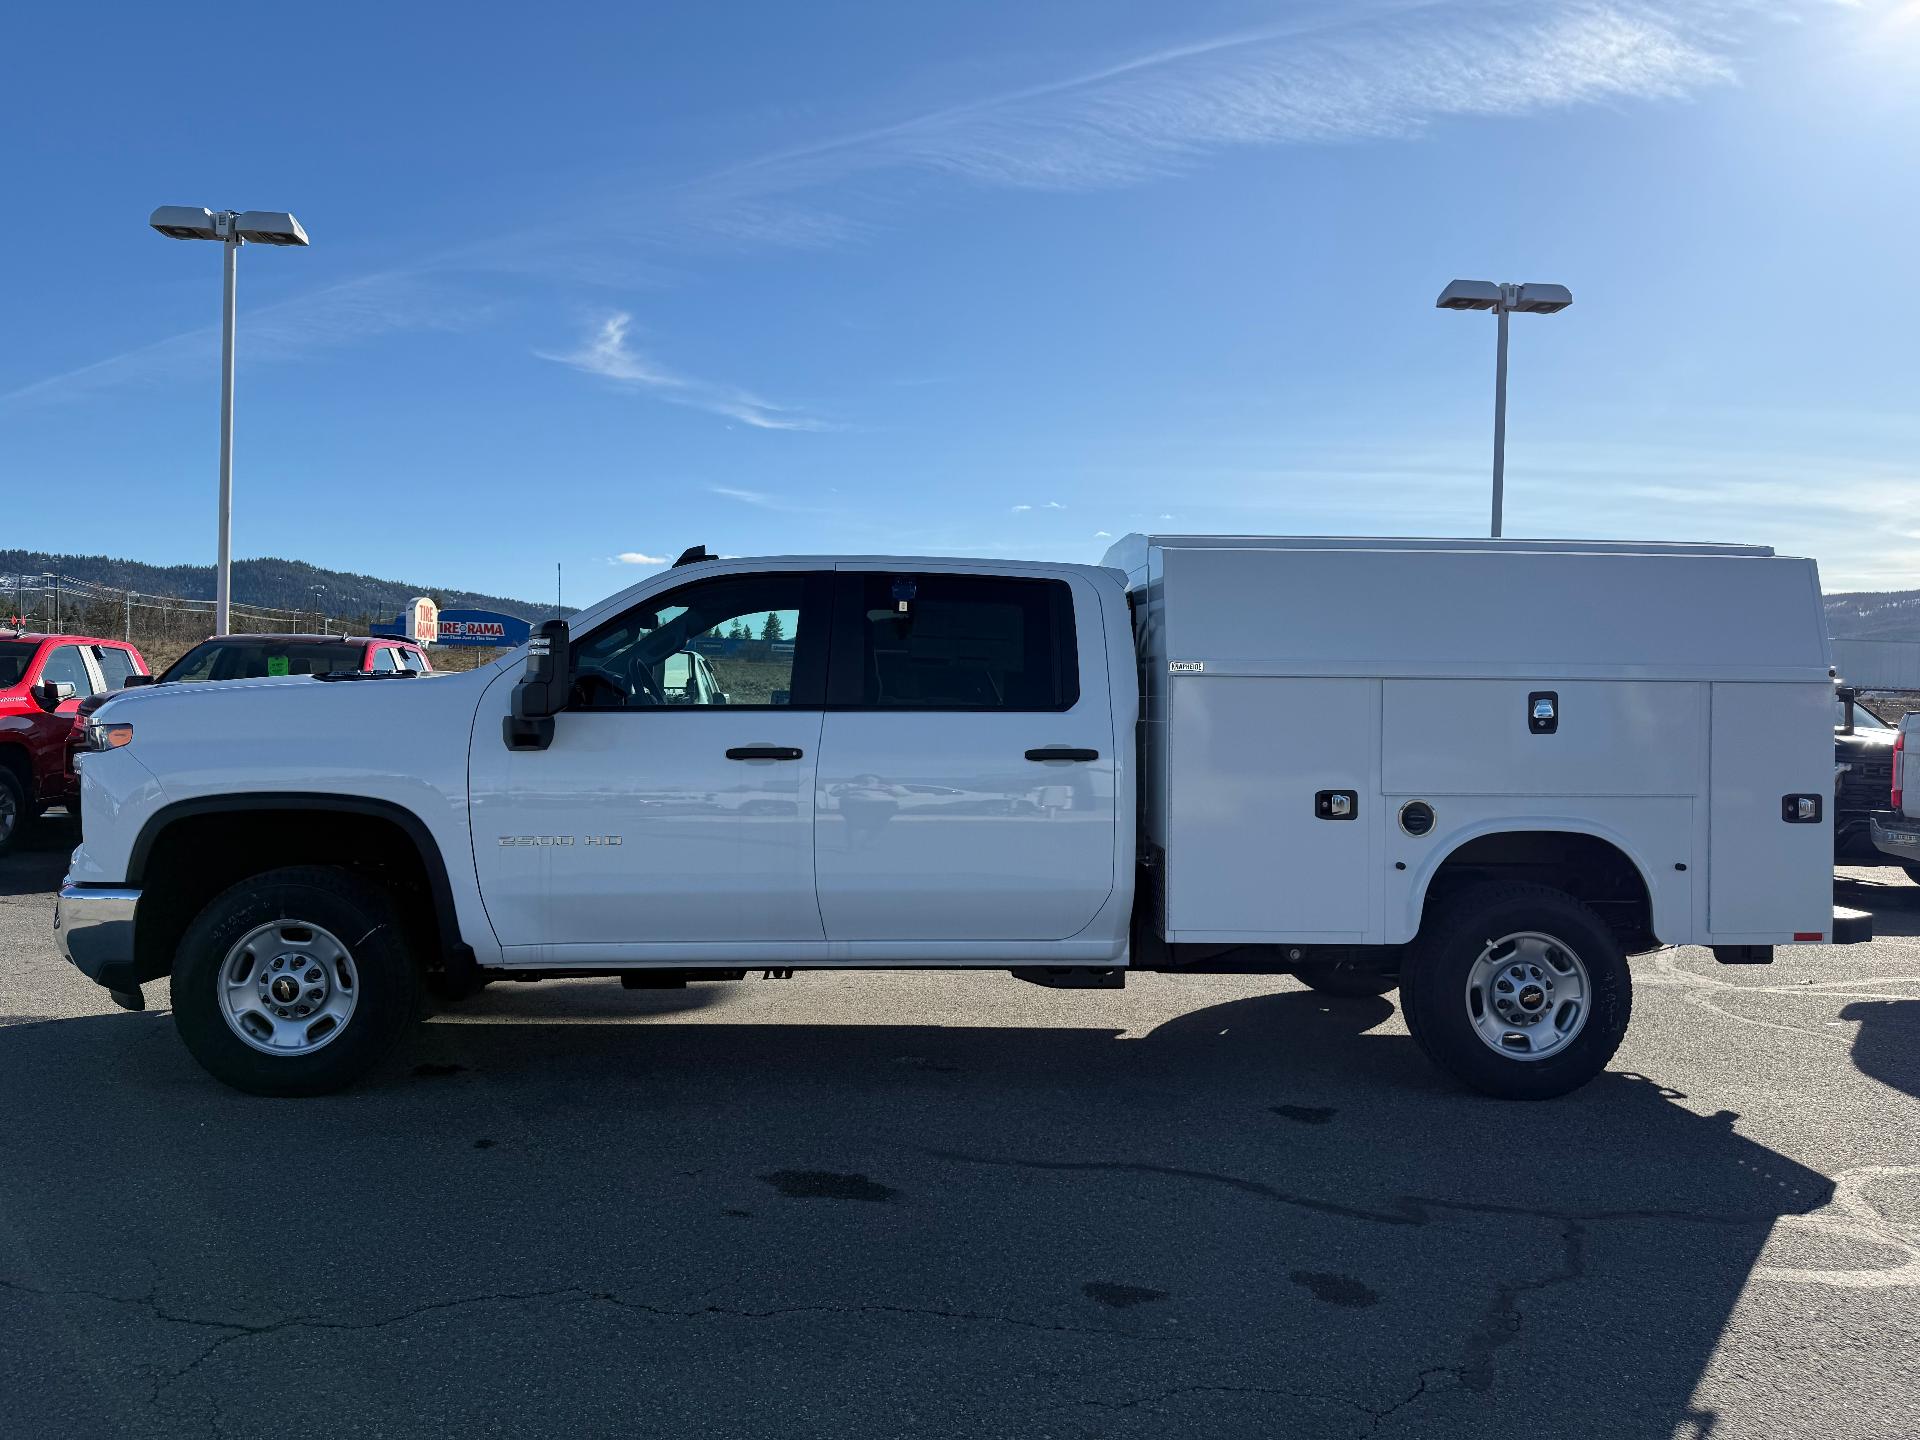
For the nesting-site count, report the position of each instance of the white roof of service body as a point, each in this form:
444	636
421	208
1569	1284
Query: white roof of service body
1327	605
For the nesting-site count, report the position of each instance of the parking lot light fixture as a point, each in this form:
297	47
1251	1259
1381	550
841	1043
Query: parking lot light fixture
233	229
1503	299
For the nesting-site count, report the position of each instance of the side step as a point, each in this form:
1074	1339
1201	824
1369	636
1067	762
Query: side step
1072	977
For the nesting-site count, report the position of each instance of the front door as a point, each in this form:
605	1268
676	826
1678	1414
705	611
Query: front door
667	814
967	768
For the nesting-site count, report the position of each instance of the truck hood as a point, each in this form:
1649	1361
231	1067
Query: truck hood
300	733
1863	740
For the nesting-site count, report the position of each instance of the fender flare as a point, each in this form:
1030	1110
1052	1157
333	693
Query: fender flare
1515	824
410	824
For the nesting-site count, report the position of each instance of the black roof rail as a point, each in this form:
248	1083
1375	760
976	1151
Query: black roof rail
692	555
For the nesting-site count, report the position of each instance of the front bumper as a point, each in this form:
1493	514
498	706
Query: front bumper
94	927
1896	837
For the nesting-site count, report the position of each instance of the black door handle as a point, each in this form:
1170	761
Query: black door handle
764	752
1062	752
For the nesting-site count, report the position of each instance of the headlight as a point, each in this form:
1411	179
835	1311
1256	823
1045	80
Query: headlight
107	735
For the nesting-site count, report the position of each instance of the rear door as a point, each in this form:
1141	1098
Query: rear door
115	663
967	762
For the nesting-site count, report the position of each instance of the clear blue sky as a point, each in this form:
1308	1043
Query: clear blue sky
962	278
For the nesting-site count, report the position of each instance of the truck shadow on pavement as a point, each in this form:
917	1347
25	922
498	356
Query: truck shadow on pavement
1887	1044
1265	1216
39	859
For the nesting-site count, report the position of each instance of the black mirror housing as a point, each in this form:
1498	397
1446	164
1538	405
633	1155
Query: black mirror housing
135	680
542	693
1846	695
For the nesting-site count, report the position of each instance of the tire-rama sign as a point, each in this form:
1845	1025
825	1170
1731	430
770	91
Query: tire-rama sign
482	627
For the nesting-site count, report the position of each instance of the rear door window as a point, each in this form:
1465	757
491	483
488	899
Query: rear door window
115	665
915	641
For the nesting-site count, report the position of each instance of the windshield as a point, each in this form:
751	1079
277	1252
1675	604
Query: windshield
256	659
1864	719
15	656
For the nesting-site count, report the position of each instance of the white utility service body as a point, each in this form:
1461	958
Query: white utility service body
1346	759
1692	694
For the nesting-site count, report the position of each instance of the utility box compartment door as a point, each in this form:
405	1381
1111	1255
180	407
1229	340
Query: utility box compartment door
1769	879
1251	855
1609	737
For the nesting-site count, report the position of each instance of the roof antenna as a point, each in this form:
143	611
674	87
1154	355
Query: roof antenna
692	555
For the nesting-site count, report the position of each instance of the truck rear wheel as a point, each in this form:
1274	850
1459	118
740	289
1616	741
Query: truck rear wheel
1345	978
294	982
1519	991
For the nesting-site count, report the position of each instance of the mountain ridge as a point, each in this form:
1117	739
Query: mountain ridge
268	583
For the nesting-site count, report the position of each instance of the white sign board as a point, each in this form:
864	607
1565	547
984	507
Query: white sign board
423	620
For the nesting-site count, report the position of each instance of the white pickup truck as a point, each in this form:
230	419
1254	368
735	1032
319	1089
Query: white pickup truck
1483	771
1896	831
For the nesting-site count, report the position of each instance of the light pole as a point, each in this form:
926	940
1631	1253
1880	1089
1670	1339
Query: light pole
1503	300
232	229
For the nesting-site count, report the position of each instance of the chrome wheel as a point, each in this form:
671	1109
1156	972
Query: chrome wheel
1527	995
287	988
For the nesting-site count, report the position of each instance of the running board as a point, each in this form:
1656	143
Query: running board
1071	977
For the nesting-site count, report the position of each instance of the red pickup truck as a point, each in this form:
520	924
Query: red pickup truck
43	679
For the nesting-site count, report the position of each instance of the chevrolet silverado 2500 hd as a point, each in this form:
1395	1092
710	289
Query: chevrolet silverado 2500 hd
1485	772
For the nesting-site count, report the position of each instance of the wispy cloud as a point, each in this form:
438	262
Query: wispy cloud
329	318
636	557
1349	72
1344	71
1021	509
1048	505
762	500
607	354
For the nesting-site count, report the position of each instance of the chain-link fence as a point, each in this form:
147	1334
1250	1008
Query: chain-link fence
164	627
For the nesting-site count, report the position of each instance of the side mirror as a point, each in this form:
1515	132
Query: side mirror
135	680
52	695
1845	695
542	694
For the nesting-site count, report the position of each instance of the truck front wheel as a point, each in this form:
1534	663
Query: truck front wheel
294	982
15	812
1519	991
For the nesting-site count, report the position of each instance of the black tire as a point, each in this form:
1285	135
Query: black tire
1913	872
386	981
1434	989
16	814
1346	979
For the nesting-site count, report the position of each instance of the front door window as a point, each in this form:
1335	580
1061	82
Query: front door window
745	641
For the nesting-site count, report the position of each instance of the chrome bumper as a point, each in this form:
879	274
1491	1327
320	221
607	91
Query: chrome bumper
94	927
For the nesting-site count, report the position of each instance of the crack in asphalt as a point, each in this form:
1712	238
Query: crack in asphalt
1500	1324
236	1330
1407	1209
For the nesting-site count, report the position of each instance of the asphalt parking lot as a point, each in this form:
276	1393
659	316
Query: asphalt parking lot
960	1205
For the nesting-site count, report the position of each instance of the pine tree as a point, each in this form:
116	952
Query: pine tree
773	629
